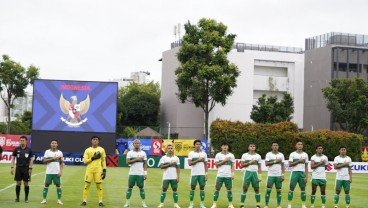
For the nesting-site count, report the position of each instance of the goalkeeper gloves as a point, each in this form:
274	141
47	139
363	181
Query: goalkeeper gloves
96	156
103	174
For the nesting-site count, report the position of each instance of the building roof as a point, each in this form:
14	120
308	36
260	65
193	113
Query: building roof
148	132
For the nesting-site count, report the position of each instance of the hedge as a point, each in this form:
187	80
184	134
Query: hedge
239	135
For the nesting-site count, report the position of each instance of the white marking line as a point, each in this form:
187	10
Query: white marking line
1	190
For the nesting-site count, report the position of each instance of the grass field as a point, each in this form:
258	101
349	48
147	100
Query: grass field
115	186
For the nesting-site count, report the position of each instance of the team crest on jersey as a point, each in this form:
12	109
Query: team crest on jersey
74	110
26	155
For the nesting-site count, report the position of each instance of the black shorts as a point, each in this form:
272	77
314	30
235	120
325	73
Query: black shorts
22	174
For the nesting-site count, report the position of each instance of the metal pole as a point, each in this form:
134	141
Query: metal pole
168	134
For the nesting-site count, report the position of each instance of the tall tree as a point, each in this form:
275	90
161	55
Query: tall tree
14	79
205	76
347	100
270	110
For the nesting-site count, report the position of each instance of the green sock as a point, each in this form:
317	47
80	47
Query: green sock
44	193
58	191
267	196
303	196
243	197
313	198
215	195
347	199
176	197
258	197
336	199
278	197
128	193
230	196
323	198
143	195
202	195
290	195
191	195
163	195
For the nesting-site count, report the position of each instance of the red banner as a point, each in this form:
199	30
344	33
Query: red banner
10	141
156	147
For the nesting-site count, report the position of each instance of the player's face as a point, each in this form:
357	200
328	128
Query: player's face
197	146
95	141
54	145
137	145
23	142
299	146
225	148
319	150
170	150
275	147
252	147
342	151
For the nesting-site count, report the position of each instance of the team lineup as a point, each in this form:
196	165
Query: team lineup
95	159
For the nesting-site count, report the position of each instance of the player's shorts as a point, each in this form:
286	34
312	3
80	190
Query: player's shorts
274	180
342	183
319	182
136	180
22	174
200	179
297	177
250	177
172	182
52	178
93	176
227	180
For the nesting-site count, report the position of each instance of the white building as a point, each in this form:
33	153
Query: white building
138	77
269	70
20	105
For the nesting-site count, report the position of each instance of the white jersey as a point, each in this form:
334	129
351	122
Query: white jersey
342	173
294	156
225	169
137	167
320	171
275	169
170	172
54	166
246	157
198	168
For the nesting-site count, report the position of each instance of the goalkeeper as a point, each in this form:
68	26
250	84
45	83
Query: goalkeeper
95	159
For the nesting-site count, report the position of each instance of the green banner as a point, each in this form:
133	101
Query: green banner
152	161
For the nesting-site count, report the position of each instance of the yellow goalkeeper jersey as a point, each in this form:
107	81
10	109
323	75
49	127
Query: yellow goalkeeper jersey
98	164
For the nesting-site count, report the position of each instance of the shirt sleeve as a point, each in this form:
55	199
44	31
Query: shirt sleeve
306	158
144	156
232	158
205	157
45	155
161	160
259	159
129	155
190	156
335	161
217	158
291	157
15	152
267	159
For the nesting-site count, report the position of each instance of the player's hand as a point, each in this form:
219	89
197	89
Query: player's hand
138	159
301	160
30	172
177	179
200	159
103	175
96	156
251	162
351	180
282	178
12	171
145	177
305	180
60	173
205	177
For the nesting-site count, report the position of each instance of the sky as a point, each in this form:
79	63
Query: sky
99	40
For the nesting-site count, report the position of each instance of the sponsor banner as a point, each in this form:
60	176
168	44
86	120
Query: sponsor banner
204	145
146	145
152	161
6	157
69	158
357	167
182	147
124	145
10	141
156	147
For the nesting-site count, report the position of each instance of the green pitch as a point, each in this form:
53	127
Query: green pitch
115	186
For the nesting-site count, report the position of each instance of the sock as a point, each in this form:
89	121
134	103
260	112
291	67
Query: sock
258	197
99	191
242	197
86	191
303	196
323	198
216	196
347	199
336	199
267	196
278	191
313	198
44	193
142	193
230	196
26	191
290	195
17	191
58	191
162	198
176	197
128	193
191	195
202	195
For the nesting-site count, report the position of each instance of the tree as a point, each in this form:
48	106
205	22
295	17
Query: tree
138	105
205	76
347	100
14	79
26	118
270	110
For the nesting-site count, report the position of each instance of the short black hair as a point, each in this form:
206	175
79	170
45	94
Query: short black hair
274	142
195	141
54	140
92	137
297	141
23	137
319	145
225	143
342	146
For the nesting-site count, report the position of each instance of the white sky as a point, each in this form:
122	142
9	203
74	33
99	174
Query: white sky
98	40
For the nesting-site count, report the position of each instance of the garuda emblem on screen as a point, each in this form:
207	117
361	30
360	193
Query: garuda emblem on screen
74	110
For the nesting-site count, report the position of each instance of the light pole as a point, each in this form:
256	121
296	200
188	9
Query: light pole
168	131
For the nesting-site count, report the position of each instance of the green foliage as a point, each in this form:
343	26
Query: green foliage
270	110
26	118
138	105
205	76
239	135
347	100
14	79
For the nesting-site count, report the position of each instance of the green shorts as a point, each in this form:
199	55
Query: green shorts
274	180
136	180
297	177
250	177
226	180
319	182
200	179
342	183
173	183
52	178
